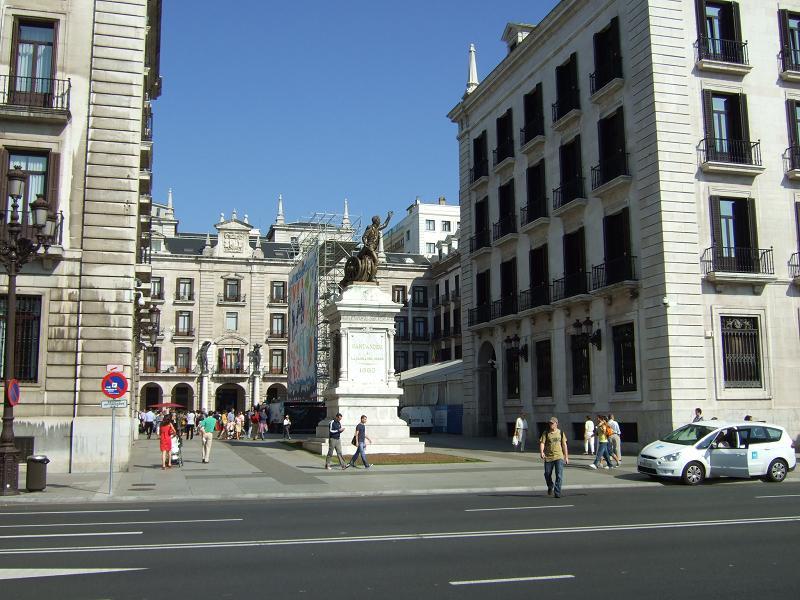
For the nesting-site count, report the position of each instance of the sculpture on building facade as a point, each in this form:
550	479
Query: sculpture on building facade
364	265
202	357
255	358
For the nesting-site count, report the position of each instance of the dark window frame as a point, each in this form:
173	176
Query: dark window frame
742	362
544	368
624	340
581	365
27	338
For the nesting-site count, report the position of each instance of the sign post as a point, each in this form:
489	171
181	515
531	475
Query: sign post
114	385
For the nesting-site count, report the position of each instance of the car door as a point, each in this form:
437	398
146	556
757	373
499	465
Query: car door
731	461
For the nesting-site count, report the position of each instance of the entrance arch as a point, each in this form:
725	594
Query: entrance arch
151	394
487	390
276	393
229	395
184	395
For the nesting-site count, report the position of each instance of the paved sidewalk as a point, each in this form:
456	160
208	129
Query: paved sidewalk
270	469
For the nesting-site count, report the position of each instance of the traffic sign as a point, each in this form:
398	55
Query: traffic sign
12	392
113	404
114	385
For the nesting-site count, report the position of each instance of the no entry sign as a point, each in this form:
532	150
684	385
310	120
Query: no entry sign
12	392
114	385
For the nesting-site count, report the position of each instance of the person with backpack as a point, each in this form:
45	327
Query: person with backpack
554	453
615	441
602	432
335	430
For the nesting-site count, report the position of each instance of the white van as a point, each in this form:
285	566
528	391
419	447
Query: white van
720	449
419	418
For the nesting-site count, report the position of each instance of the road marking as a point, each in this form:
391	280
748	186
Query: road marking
74	512
413	537
781	496
6	574
87	534
519	508
512	579
121	523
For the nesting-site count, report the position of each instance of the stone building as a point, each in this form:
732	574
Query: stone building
76	84
424	225
630	242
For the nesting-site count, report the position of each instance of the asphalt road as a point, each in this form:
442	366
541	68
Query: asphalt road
719	540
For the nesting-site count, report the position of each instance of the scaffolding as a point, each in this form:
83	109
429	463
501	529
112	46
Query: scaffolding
334	237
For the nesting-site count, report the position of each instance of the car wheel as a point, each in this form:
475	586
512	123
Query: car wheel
777	470
693	473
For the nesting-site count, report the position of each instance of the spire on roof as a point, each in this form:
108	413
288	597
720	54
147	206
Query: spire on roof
169	198
472	80
234	216
346	216
279	220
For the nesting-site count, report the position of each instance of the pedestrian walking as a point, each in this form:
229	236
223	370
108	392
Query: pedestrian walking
191	419
360	440
335	430
615	441
149	422
698	415
254	419
287	427
165	433
554	453
263	422
207	427
588	436
602	431
159	416
238	425
521	431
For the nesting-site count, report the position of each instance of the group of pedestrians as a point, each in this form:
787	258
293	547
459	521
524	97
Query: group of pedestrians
360	441
603	433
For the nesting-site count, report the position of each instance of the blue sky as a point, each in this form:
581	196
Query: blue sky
318	101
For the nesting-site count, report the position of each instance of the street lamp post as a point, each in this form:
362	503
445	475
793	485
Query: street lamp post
17	247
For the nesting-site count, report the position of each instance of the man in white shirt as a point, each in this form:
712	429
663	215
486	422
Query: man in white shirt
521	431
149	420
190	420
614	442
588	436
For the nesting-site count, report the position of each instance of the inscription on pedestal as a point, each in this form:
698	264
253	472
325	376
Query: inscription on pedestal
366	356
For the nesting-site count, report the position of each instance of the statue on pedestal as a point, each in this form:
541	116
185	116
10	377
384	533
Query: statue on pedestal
364	265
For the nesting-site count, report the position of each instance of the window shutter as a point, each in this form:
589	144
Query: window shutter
783	27
700	7
708	116
545	265
716	227
791	122
241	358
744	121
736	22
602	140
221	358
538	107
53	168
581	247
625	230
608	226
573	76
3	179
797	222
599	61
616	47
577	156
751	221
619	131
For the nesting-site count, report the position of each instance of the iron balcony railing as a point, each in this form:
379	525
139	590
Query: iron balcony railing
794	265
402	337
570	285
614	271
505	306
535	209
455	296
790	59
184	297
277	370
569	191
230	370
604	74
531	131
478	170
145	255
147	128
480	240
35	92
279	299
504	150
504	227
280	334
609	168
741	152
436	301
157	295
724	259
792	158
444	300
151	368
188	332
239	298
480	314
729	51
421	337
538	295
562	107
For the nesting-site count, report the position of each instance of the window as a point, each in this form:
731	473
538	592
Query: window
401	328
430	248
505	137
482	229
456	321
152	360
618	265
445	225
231	321
34	167
607	56
506	210
734	236
539	277
430	225
624	358
508	287
480	157
183	323
571	170
277	362
183	360
231	360
457	283
232	290
536	194
408	235
420	358
420	328
419	296
611	147
574	281
157	288
26	337
512	374
741	352
278	325
33	67
790	40
399	294
184	289
727	130
400	361
581	380
457	353
720	32
567	93
793	122
534	114
544	373
278	292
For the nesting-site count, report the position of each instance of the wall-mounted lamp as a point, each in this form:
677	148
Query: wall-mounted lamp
517	351
584	329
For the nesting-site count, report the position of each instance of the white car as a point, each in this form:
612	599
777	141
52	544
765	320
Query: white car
720	449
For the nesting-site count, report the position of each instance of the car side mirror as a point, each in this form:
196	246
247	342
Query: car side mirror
712	446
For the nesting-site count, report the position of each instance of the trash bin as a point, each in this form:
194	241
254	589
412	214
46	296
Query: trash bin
36	477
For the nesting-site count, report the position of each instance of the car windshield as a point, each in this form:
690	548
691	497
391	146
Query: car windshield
688	434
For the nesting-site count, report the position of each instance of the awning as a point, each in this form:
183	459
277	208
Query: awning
449	370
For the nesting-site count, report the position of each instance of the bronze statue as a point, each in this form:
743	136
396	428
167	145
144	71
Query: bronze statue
364	265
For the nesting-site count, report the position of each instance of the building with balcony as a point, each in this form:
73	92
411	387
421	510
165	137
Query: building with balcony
423	226
642	255
77	81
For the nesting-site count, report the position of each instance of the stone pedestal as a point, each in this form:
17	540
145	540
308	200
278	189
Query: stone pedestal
362	373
